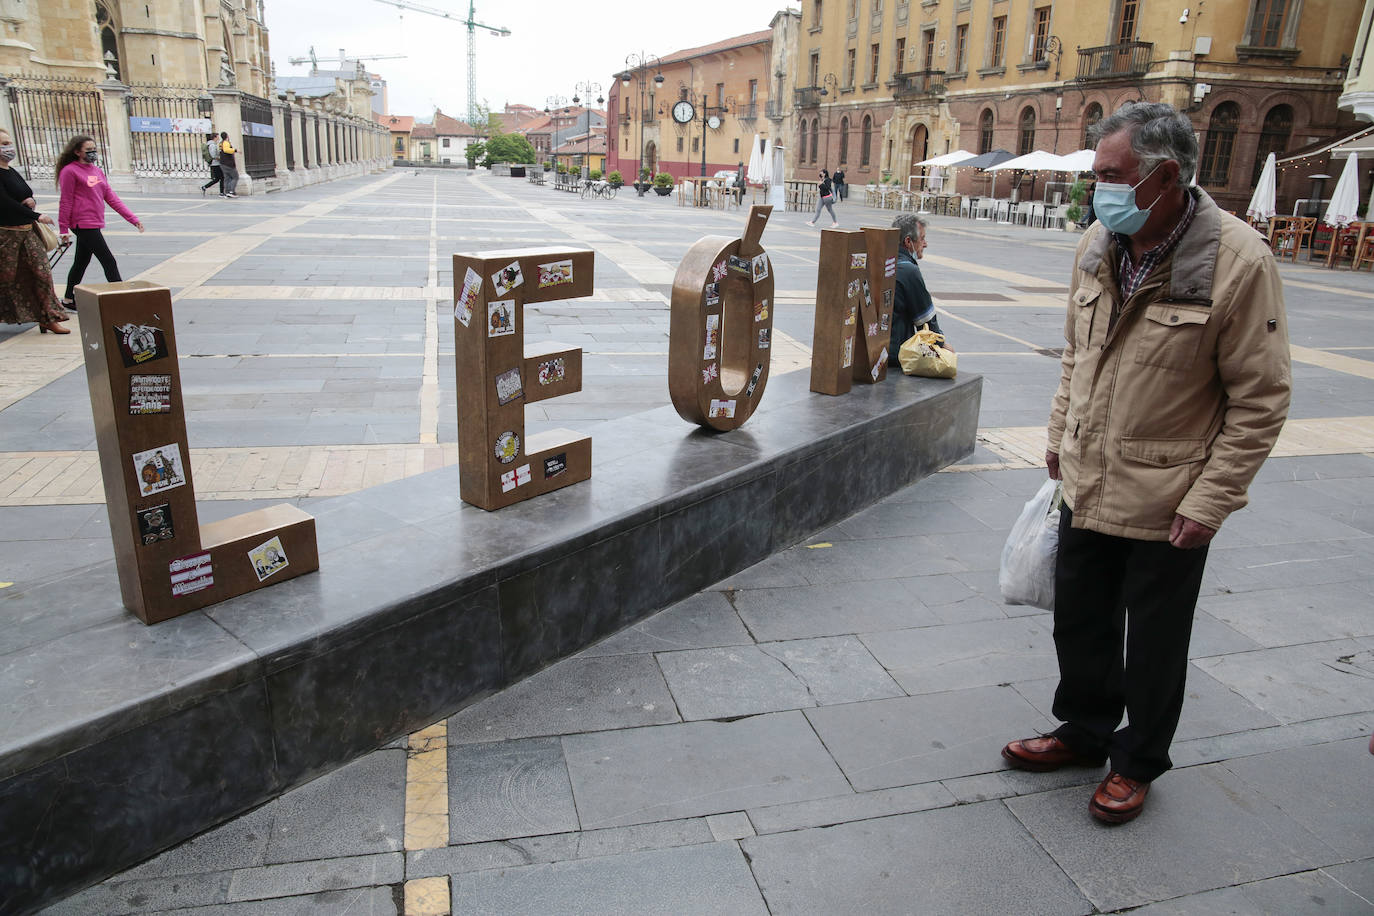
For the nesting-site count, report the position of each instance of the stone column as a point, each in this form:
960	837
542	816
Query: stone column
118	156
308	118
279	136
228	118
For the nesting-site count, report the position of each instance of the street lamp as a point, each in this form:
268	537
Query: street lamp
710	117
828	81
586	89
637	67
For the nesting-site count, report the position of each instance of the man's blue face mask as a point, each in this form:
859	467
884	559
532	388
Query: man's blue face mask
1114	205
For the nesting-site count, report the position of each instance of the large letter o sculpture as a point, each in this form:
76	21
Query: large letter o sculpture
721	327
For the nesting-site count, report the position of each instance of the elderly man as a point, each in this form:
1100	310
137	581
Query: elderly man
1174	385
912	305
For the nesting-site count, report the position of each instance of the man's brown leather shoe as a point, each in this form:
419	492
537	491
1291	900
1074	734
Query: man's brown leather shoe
1045	753
1118	799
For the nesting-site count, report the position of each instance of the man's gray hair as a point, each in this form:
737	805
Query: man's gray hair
911	225
1158	132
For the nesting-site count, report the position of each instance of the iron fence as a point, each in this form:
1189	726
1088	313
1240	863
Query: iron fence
259	148
167	125
49	111
287	125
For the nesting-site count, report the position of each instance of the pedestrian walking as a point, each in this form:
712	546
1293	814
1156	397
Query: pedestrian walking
81	209
841	189
826	195
228	166
1174	385
26	291
211	154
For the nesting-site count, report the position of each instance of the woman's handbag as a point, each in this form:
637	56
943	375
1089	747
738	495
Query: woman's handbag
47	236
922	355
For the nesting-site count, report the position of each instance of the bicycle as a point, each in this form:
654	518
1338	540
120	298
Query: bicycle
602	189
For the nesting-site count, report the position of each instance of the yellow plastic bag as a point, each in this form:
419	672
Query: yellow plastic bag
922	355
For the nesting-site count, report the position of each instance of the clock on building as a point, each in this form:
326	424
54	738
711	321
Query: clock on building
713	122
683	112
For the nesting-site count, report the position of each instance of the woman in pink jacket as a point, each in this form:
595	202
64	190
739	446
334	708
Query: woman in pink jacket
84	192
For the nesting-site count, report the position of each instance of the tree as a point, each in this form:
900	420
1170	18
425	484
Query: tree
508	148
481	118
475	151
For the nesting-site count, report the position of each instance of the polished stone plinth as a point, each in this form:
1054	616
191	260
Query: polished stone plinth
119	740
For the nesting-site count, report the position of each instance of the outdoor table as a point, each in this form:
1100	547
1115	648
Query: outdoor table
697	196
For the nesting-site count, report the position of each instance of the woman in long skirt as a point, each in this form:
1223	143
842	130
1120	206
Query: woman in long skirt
26	293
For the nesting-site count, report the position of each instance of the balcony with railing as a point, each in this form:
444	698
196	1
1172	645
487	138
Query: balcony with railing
809	97
1128	59
917	84
747	111
774	111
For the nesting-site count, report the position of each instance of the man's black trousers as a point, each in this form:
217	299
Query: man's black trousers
1109	591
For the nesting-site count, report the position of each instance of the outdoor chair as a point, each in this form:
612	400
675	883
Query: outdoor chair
1288	234
1364	252
1036	217
966	206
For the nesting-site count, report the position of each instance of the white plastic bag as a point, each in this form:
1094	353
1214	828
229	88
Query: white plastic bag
1027	574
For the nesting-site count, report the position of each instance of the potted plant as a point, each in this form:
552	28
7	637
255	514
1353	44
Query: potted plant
1074	212
663	184
594	174
615	179
643	183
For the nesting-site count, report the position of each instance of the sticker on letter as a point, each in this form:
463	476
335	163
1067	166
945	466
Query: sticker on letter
555	273
155	524
501	318
140	343
507	278
508	387
159	469
150	394
268	558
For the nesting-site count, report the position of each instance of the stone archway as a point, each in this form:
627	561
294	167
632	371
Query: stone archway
651	158
920	143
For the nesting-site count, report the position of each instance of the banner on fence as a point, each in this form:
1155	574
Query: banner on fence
254	129
169	125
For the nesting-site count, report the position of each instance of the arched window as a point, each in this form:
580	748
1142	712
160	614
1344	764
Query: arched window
801	150
815	136
108	27
1273	138
864	150
844	140
1221	141
1027	131
985	131
1091	115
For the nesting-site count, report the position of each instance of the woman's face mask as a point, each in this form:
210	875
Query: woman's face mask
8	152
1115	207
91	156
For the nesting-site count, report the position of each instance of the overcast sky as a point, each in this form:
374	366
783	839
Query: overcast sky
553	46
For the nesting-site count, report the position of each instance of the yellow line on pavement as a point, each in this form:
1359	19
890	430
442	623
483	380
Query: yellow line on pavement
1335	361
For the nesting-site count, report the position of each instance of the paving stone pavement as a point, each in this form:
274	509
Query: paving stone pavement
818	733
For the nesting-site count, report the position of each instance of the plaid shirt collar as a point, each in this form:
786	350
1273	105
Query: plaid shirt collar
1131	276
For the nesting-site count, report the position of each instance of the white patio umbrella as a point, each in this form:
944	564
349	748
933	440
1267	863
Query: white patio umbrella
951	158
755	166
1261	205
1036	161
765	173
1079	160
1345	200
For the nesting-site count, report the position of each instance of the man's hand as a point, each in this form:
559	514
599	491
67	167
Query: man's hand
1186	534
1052	462
45	220
30	203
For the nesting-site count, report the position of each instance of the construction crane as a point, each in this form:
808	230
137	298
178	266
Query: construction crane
473	25
342	58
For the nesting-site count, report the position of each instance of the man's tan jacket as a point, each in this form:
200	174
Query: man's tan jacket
1175	407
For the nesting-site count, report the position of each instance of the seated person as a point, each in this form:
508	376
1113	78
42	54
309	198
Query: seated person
912	306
